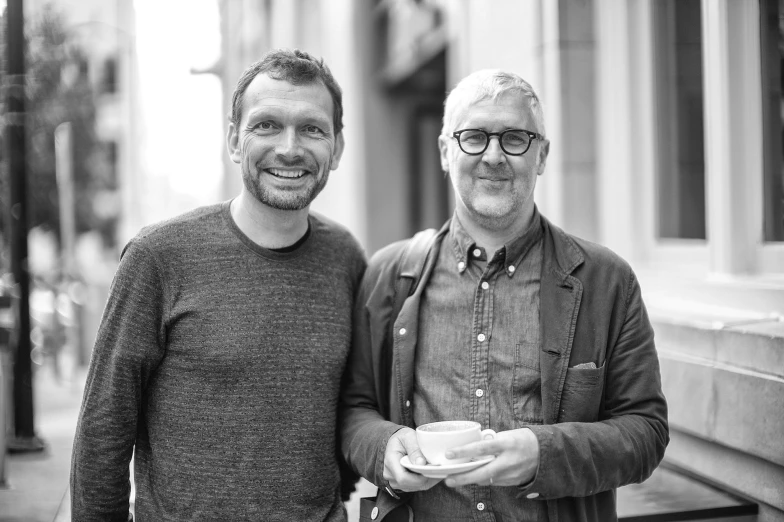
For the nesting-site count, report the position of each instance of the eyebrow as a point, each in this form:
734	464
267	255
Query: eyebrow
306	116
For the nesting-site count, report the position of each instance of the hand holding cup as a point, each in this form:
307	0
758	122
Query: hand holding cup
436	438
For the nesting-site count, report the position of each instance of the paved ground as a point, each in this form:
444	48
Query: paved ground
37	483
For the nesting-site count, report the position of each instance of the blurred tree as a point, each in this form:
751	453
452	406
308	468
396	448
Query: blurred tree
59	90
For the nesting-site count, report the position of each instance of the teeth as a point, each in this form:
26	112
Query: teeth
287	173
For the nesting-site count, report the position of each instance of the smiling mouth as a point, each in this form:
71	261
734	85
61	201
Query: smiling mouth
286	174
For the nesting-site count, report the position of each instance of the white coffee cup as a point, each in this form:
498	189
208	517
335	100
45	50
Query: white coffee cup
436	438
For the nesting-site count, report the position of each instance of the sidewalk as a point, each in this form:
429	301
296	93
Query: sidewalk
38	482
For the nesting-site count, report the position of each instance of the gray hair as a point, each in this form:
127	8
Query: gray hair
490	84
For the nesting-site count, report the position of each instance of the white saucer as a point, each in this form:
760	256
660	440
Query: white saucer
435	471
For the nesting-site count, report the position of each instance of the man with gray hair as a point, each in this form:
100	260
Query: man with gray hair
218	361
508	321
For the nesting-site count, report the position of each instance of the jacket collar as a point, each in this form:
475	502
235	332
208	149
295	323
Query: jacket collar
559	304
562	256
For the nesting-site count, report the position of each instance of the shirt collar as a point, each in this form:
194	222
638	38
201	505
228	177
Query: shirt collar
515	250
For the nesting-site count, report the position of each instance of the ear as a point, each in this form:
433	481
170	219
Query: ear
544	151
337	153
443	147
233	143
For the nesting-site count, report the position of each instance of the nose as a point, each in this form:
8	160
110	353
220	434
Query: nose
494	155
288	144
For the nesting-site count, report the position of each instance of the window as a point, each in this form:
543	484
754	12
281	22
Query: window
772	36
680	180
112	159
109	76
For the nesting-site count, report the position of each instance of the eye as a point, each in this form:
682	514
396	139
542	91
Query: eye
473	137
312	129
516	138
265	126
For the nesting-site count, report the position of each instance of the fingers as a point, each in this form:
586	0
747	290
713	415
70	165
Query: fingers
404	443
415	455
401	479
477	449
516	462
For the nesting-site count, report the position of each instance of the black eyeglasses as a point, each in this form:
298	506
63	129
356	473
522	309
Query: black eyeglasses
514	142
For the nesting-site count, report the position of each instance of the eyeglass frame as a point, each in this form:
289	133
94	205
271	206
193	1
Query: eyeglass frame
532	135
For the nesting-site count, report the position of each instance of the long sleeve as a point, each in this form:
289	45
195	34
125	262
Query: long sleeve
129	346
364	431
365	417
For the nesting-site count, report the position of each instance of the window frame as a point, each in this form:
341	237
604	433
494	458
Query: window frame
732	70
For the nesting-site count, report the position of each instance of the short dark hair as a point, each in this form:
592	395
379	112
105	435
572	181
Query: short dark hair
296	67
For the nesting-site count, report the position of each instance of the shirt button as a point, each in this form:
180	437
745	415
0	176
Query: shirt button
511	269
532	495
480	392
480	506
461	266
480	337
477	252
408	404
402	331
485	285
374	513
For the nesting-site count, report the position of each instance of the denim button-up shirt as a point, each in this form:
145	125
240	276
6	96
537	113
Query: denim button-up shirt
603	427
478	359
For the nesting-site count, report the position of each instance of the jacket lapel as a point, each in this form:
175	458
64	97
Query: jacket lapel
559	304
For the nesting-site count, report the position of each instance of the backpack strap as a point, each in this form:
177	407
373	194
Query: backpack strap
412	262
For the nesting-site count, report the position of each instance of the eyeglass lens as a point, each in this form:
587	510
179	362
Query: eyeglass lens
512	141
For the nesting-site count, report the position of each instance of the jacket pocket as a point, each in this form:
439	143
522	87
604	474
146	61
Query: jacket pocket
582	394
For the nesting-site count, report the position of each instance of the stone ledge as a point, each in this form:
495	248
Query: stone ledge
697	313
723	374
733	470
736	408
738	338
729	349
738	298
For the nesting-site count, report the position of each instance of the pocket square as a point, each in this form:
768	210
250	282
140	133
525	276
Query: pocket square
585	366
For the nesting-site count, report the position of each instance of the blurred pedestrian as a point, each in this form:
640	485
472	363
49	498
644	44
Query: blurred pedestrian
515	324
219	356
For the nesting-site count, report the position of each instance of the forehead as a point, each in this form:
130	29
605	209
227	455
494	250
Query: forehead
265	93
509	110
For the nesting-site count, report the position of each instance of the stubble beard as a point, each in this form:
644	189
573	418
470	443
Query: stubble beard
282	200
491	212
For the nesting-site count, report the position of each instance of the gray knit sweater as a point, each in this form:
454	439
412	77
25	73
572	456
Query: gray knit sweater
219	362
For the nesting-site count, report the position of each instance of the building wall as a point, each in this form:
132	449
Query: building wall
716	301
605	71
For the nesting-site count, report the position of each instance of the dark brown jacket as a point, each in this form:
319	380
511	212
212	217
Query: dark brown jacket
603	428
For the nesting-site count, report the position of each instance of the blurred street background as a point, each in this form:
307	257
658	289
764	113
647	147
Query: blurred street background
665	121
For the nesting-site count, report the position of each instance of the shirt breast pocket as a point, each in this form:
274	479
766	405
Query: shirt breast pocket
526	389
582	394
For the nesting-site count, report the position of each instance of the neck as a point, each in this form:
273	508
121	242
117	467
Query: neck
266	226
492	234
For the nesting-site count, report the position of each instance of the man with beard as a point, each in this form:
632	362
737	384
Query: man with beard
514	324
219	357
